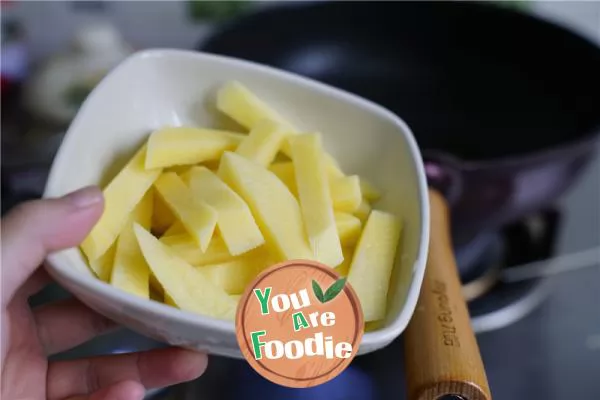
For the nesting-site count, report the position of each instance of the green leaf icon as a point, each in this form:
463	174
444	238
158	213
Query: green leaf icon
317	291
334	290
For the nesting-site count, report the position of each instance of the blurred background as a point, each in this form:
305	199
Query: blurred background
539	335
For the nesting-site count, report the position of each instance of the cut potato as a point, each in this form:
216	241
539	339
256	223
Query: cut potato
185	176
189	289
162	217
346	193
363	211
130	272
276	210
373	261
344	267
234	275
237	102
186	248
176	229
121	196
368	190
198	218
234	219
332	166
178	169
103	265
348	227
263	142
285	173
240	104
155	286
169	300
345	190
315	199
183	146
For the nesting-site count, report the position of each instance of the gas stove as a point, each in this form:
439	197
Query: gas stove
495	302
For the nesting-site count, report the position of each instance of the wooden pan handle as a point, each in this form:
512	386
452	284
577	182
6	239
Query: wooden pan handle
441	354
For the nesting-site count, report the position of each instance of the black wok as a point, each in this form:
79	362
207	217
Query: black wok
505	107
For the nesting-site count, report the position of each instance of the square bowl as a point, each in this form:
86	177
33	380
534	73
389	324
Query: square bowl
155	88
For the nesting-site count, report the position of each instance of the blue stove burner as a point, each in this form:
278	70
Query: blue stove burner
351	384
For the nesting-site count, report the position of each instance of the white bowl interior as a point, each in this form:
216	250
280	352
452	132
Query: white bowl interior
169	87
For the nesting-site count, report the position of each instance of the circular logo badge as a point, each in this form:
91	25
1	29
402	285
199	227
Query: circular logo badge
299	324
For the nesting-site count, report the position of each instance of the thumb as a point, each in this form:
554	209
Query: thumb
33	229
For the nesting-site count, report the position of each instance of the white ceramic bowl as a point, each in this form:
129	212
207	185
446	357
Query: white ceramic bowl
160	87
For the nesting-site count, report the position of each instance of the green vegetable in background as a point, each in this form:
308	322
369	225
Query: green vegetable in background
215	10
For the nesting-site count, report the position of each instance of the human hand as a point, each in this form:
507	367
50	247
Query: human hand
29	233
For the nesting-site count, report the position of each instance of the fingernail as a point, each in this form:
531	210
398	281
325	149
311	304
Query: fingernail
86	197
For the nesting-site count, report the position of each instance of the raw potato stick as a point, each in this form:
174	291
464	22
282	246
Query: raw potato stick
198	218
240	104
186	248
234	219
315	199
234	275
349	228
183	146
373	261
189	289
121	196
276	210
236	101
130	272
346	193
263	142
102	266
363	211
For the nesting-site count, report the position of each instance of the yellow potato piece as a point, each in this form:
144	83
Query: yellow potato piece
155	287
348	227
237	102
169	300
332	166
346	194
276	210
368	190
162	217
234	275
186	248
236	297
103	265
198	218
121	196
234	219
178	169
344	267
184	145
176	229
240	104
315	199
185	176
189	289
363	210
263	142
286	174
373	262
130	272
